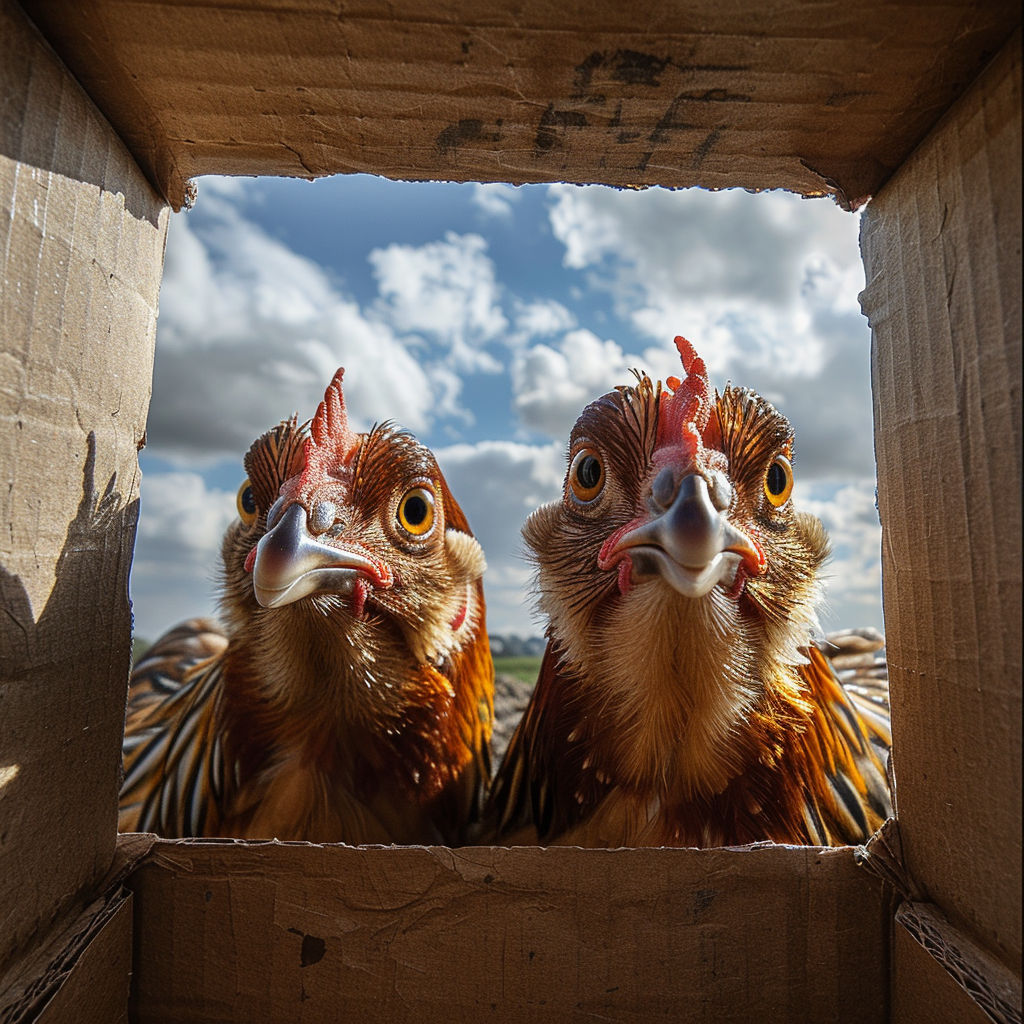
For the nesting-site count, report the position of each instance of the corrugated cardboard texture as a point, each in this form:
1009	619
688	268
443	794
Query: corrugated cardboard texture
95	990
81	245
923	992
822	97
80	973
942	249
296	933
983	989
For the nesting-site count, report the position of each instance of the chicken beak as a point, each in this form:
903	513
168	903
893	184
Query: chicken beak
291	564
691	544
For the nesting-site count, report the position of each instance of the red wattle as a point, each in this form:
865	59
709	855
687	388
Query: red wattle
460	618
358	598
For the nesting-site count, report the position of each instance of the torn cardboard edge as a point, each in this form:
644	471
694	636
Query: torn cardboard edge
40	979
988	983
994	989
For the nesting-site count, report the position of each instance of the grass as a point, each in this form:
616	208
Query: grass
523	668
139	648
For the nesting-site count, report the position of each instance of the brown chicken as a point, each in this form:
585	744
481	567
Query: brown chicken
681	701
349	697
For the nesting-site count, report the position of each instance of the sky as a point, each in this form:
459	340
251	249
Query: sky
484	318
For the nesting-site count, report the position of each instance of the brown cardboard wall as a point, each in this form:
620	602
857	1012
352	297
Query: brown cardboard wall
296	934
942	249
815	97
81	245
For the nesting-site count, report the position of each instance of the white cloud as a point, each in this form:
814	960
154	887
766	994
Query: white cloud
250	331
853	576
494	199
182	515
552	383
498	484
729	270
764	286
446	290
542	319
177	549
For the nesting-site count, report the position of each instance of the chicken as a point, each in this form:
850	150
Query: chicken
680	700
349	697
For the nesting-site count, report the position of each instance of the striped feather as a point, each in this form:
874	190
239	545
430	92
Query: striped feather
173	757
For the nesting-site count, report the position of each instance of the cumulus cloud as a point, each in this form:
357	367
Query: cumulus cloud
552	383
853	576
494	199
498	484
446	290
177	549
540	319
250	331
764	286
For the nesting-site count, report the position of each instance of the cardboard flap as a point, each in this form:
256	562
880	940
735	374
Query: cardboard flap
990	985
295	932
823	98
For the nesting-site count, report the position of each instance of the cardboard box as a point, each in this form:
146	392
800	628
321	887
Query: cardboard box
110	106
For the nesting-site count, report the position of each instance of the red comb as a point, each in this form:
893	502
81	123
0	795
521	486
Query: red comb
686	410
331	419
331	442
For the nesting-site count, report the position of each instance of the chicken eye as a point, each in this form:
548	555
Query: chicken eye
586	475
778	481
416	512
246	504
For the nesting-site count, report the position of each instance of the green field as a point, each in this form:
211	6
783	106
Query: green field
139	648
524	668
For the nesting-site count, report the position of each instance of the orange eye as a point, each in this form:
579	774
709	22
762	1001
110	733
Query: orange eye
586	474
416	512
778	481
246	504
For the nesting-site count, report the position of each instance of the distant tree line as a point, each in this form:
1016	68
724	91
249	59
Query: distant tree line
512	646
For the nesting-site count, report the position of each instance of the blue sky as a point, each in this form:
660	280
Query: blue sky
484	318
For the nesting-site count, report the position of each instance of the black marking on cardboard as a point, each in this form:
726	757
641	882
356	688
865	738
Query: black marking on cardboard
670	121
702	899
552	122
631	67
469	129
636	68
701	152
585	73
313	948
